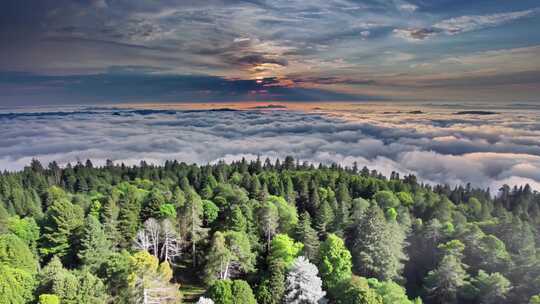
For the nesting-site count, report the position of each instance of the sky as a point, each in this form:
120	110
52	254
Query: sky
112	51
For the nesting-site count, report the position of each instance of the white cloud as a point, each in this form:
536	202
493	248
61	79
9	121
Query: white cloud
408	8
414	34
438	146
463	24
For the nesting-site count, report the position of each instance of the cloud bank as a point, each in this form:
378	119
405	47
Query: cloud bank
436	144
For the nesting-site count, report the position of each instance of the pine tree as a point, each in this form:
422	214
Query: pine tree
323	219
95	247
445	282
308	236
61	229
378	247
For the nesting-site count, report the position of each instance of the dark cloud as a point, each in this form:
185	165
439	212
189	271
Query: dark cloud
129	84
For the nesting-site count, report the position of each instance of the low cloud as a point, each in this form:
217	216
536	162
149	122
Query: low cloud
437	146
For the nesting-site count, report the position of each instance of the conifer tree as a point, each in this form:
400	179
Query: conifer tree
95	247
306	235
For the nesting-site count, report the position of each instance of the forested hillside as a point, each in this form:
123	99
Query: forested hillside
261	232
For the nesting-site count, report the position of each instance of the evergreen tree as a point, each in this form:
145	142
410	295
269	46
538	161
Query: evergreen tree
95	247
62	224
306	235
378	247
445	282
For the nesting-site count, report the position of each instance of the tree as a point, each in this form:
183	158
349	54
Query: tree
62	224
489	288
4	218
167	211
95	247
335	262
390	292
306	235
220	292
445	282
16	286
149	280
323	218
192	217
535	299
303	286
152	205
15	253
211	211
159	238
268	221
386	199
242	293
71	287
287	215
284	249
49	299
357	291
17	270
378	246
230	254
26	229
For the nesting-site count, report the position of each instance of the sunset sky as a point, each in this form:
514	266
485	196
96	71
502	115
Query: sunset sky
108	51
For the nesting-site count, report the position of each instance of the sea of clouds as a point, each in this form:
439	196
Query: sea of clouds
437	144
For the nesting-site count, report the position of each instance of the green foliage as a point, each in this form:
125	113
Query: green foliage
211	211
335	263
49	299
229	250
284	249
466	245
287	216
242	293
167	211
378	246
306	235
63	222
26	229
535	299
14	252
16	285
152	205
446	281
95	247
356	291
489	288
405	198
221	292
390	292
386	199
391	214
71	287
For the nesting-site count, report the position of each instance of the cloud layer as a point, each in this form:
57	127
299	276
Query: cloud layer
436	144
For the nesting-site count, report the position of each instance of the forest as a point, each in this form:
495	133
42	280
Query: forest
261	231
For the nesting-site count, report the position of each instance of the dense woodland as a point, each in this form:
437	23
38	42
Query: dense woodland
261	232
